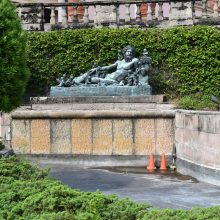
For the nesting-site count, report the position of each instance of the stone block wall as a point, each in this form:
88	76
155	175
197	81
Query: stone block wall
197	138
92	133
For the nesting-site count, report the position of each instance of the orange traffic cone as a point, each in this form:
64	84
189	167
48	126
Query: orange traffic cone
163	163
151	166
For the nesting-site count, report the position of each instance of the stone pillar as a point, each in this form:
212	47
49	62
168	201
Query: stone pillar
32	17
6	129
60	11
181	13
105	15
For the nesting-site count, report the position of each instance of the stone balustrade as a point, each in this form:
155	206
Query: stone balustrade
137	13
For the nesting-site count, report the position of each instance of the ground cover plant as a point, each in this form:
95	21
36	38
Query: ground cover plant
186	60
13	69
29	193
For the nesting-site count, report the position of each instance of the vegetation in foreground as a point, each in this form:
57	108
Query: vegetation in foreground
29	193
13	69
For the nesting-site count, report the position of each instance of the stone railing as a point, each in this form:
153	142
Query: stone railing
139	13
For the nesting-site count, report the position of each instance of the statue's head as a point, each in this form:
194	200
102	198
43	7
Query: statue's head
129	53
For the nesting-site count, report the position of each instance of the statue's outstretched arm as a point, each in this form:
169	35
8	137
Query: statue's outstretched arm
109	68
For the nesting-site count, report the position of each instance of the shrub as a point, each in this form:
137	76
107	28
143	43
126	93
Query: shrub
2	146
197	102
13	70
28	193
186	60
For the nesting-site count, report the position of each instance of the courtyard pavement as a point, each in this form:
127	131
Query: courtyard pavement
159	190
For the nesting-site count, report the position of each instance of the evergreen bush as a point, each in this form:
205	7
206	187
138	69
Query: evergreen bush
13	70
28	193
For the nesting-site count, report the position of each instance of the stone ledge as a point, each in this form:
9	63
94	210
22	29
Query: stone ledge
47	114
94	160
202	173
99	99
198	112
89	91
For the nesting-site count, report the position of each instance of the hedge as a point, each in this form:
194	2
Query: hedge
28	193
13	68
186	60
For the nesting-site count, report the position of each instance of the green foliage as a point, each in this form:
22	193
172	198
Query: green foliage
197	102
186	60
2	146
212	213
13	70
28	193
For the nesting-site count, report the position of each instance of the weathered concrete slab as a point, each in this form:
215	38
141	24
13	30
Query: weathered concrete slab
21	136
102	137
56	91
145	141
60	136
40	136
81	136
197	140
123	130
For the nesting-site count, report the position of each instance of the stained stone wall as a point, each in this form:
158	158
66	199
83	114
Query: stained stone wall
181	13
197	138
105	15
103	133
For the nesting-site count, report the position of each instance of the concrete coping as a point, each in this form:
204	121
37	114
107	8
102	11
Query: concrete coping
47	114
200	112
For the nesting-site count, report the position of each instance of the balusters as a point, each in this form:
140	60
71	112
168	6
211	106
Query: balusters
215	9
149	12
138	13
64	16
127	13
95	16
86	15
204	8
52	15
75	14
193	11
117	15
153	6
160	11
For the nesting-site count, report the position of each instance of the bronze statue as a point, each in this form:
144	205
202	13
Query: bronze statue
126	71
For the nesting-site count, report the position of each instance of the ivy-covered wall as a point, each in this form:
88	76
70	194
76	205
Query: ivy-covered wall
186	60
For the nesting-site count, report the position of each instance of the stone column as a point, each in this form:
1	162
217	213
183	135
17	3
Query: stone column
105	15
60	11
32	18
6	129
181	13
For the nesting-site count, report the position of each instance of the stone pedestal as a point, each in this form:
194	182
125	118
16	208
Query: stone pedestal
181	13
100	91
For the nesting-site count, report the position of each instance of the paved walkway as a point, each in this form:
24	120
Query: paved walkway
162	191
